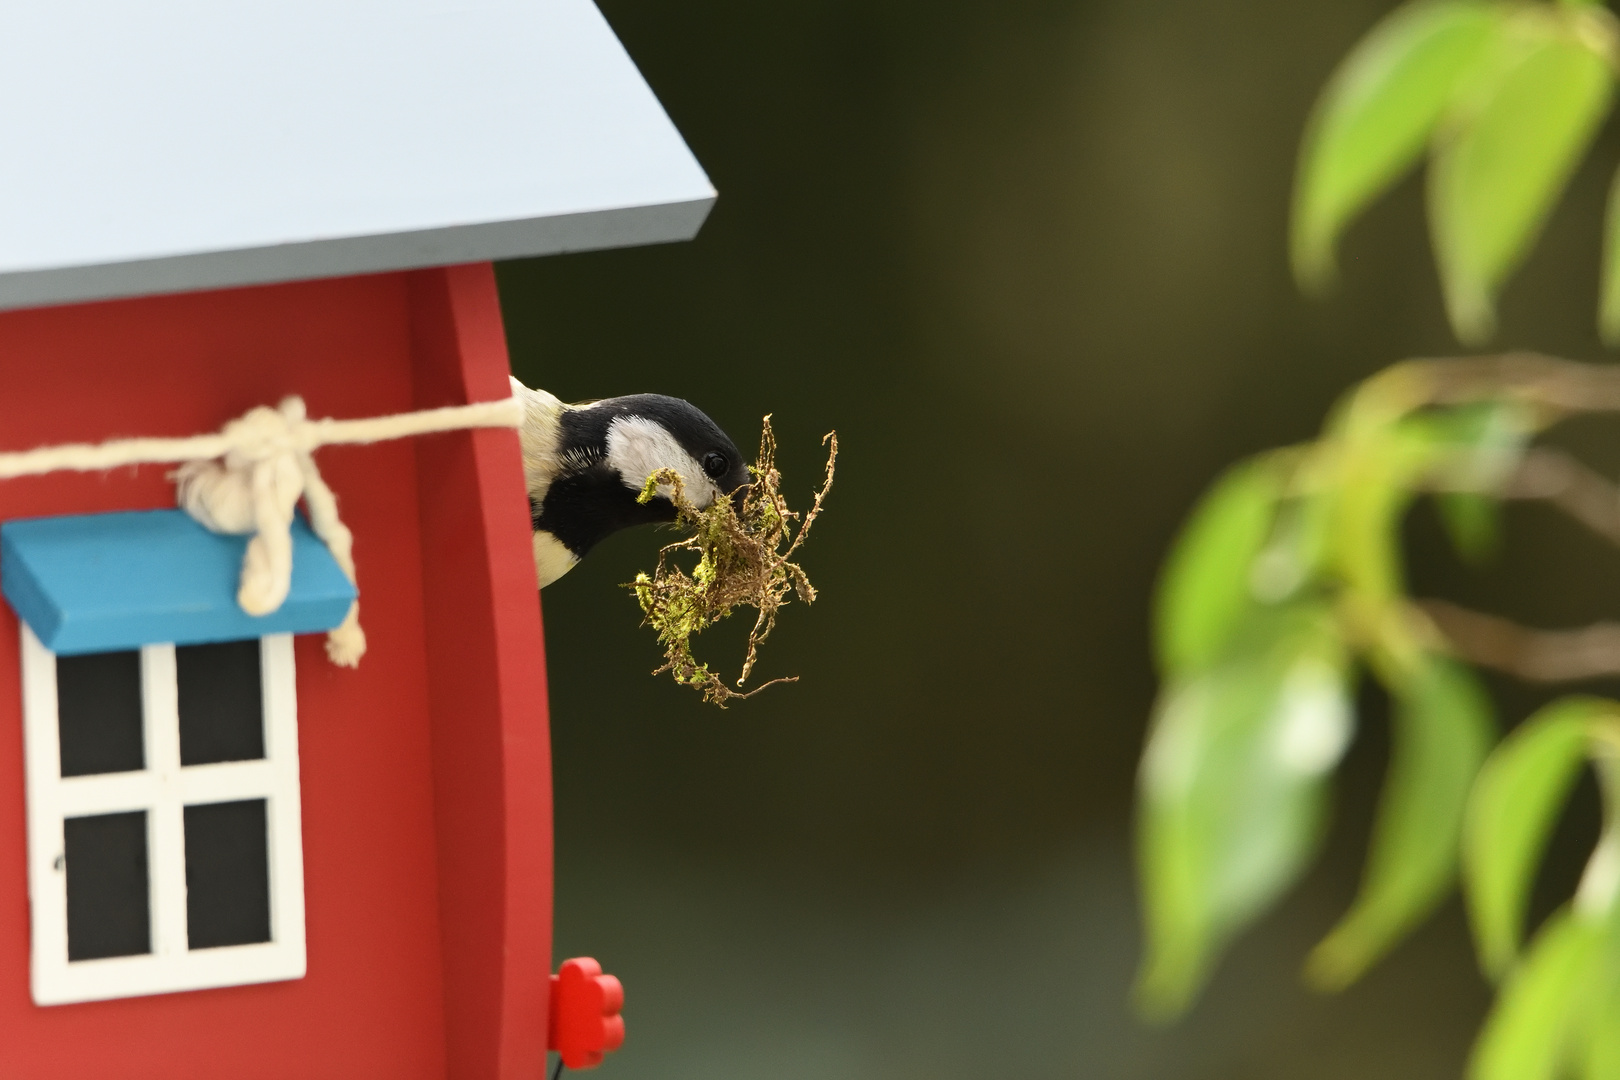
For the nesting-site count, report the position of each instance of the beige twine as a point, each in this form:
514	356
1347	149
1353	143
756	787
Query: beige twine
247	479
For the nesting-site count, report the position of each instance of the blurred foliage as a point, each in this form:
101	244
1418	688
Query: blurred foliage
1505	98
1557	1012
1287	584
1285	587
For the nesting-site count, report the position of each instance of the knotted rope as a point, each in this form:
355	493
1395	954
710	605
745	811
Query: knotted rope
248	478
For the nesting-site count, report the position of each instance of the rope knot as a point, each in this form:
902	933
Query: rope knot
254	489
262	432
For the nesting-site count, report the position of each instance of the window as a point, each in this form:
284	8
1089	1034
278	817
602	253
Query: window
163	818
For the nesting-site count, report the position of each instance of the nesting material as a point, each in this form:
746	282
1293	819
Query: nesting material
741	561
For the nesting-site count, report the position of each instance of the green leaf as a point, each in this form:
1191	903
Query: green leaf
1511	814
1504	159
1443	728
1204	588
1609	306
1474	523
1483	442
1232	790
1377	485
1480	442
1603	1050
1539	1019
1374	117
1382	467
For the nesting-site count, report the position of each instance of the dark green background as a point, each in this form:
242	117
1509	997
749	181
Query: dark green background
1027	257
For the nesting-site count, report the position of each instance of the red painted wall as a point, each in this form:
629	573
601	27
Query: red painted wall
426	773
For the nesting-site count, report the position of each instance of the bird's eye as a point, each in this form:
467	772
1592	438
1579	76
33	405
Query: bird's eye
715	465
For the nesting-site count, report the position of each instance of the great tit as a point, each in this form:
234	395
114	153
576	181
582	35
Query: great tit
584	466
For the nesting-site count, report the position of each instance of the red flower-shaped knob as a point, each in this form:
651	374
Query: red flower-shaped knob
585	1021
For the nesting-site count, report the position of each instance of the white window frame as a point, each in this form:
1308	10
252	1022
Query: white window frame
163	789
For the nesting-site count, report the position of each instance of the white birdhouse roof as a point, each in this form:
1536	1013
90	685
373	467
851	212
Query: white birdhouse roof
172	145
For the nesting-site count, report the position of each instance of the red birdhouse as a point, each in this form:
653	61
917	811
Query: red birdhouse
223	854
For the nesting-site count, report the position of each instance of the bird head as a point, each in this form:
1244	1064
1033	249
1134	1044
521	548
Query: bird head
585	466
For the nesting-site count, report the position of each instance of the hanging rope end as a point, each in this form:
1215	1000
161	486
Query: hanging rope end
346	642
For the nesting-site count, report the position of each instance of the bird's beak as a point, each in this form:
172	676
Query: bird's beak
739	496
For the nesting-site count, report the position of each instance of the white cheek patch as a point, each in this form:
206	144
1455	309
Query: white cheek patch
637	448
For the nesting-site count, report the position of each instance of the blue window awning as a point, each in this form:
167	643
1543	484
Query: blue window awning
100	582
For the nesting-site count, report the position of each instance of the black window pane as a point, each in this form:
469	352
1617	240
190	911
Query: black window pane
108	908
98	707
227	874
221	708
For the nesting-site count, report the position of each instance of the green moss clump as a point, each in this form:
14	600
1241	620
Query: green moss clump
741	561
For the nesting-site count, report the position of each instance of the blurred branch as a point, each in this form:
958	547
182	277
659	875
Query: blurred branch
1565	386
1575	488
1533	655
